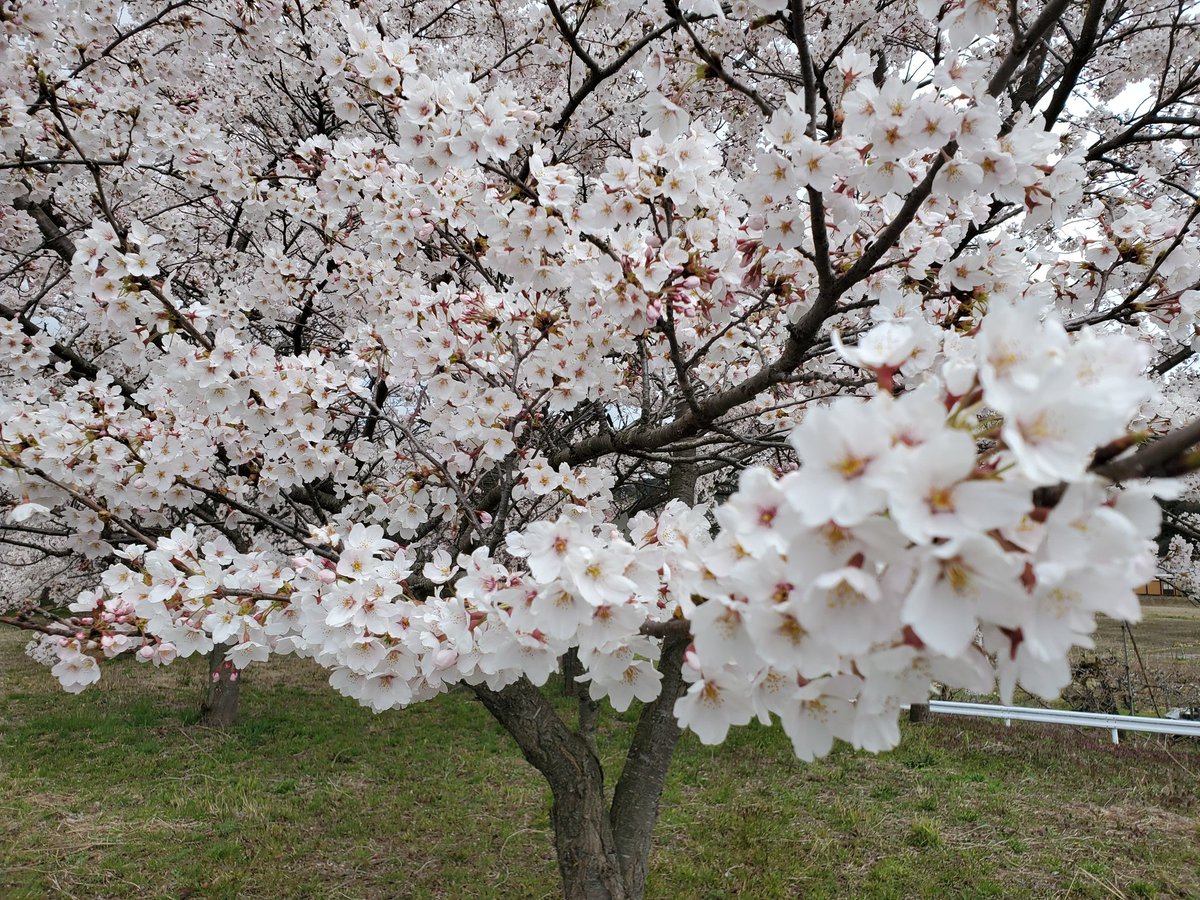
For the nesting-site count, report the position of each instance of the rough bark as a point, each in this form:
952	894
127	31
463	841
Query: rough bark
571	669
639	791
583	839
583	836
220	706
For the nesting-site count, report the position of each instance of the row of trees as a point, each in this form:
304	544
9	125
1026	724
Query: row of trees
768	359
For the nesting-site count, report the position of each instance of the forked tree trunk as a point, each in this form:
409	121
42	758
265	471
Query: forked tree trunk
603	853
220	706
583	837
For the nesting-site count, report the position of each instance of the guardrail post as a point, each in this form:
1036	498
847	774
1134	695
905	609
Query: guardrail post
1116	736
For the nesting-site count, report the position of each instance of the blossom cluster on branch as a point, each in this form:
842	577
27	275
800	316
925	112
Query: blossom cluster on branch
827	596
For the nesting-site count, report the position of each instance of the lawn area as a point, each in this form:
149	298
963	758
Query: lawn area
117	793
1168	640
1168	632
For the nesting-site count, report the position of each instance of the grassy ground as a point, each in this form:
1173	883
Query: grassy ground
1167	632
1168	639
117	793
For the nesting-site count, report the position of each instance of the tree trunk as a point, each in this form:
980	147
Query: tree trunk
583	839
571	668
583	836
603	854
220	706
636	799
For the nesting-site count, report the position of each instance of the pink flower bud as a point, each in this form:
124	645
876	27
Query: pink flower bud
327	576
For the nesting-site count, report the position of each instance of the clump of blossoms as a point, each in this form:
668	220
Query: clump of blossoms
909	546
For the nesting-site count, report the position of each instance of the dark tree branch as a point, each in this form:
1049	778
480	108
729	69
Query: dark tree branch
1152	458
1080	56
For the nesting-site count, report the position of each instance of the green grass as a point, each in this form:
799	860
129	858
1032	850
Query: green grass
1167	674
118	793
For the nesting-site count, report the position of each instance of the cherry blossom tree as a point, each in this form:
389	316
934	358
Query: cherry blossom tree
770	359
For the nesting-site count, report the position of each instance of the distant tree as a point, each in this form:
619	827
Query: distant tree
419	338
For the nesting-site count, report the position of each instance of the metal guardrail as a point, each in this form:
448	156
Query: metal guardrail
1113	723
